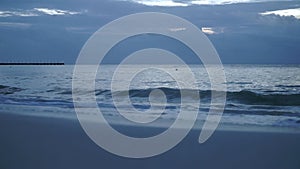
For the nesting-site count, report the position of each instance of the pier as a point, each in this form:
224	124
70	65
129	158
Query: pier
32	63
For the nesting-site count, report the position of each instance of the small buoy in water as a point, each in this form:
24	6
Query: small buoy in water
176	69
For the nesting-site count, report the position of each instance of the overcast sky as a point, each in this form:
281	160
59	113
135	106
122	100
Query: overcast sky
243	31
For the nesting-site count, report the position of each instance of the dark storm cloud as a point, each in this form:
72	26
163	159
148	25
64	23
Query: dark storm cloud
56	30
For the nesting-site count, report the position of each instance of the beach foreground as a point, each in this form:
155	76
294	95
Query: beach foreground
43	142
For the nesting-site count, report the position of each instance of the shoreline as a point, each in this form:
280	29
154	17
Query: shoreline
29	111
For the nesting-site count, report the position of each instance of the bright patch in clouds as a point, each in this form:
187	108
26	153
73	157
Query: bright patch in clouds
177	29
17	13
37	12
285	12
210	30
207	30
169	3
184	3
219	2
14	25
55	11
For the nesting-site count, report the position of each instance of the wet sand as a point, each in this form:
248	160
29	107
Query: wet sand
29	142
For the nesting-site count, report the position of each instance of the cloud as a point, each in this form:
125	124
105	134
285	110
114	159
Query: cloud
185	3
284	13
4	14
37	12
210	30
166	3
177	29
56	11
207	30
218	2
23	13
15	24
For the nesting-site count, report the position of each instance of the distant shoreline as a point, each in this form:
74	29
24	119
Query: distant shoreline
34	63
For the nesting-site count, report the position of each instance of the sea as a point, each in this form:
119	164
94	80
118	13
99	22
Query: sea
266	96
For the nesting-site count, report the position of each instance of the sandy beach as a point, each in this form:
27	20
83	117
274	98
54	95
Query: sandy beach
43	142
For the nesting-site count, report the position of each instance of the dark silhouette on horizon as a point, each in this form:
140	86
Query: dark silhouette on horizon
32	63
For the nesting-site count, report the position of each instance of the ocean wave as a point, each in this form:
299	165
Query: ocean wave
255	98
5	90
288	86
244	96
237	102
32	101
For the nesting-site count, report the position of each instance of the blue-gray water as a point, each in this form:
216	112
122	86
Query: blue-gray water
258	95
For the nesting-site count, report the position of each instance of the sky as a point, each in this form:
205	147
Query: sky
242	31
